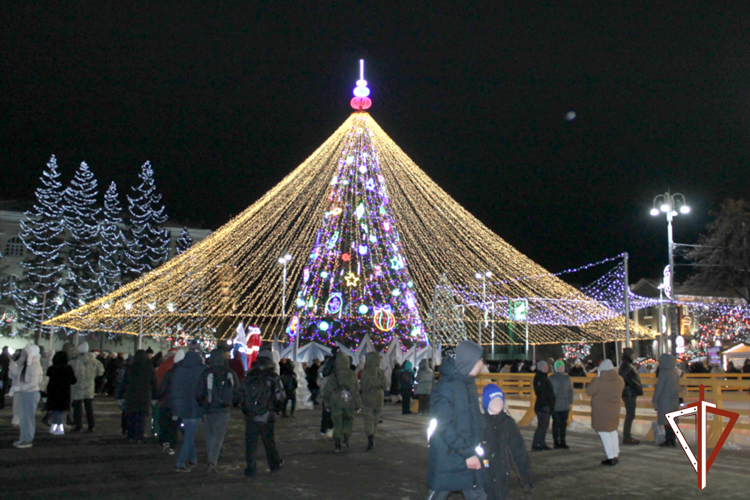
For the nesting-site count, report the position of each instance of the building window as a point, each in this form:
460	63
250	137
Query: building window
648	313
14	247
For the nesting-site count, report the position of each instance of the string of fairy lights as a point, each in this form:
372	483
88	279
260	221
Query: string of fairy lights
419	231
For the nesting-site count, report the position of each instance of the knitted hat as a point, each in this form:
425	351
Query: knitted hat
83	347
541	365
559	364
179	356
490	392
149	351
606	365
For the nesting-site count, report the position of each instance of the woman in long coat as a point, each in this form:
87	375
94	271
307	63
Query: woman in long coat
61	377
137	394
667	395
605	391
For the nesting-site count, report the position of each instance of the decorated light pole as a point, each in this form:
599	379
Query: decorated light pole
671	205
284	260
483	277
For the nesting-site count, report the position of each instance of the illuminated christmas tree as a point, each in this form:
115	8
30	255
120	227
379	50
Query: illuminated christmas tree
356	279
110	255
37	295
147	245
80	216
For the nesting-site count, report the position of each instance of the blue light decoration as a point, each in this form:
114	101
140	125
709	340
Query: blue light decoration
335	302
362	226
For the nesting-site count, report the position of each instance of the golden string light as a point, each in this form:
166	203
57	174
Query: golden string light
234	276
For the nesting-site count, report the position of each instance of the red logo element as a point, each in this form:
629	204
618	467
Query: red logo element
361	103
700	409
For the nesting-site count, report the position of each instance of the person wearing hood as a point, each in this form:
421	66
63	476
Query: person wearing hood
61	377
605	391
563	389
577	371
543	407
406	382
27	376
86	368
218	390
262	396
425	381
455	429
137	394
667	395
341	394
503	446
630	393
373	385
168	427
183	399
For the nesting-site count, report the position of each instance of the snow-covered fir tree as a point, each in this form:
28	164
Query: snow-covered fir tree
38	293
184	242
81	220
111	242
147	244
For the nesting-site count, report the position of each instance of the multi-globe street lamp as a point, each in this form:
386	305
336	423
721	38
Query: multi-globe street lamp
671	205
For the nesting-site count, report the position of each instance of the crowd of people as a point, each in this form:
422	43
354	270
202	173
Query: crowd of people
474	442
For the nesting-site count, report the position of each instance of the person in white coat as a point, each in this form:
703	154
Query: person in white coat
27	376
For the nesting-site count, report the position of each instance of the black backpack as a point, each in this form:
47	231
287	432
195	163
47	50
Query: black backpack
258	396
220	390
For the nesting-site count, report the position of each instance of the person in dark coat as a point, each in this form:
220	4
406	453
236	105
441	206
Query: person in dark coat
731	368
746	366
455	429
563	389
503	446
406	383
261	426
137	394
543	407
395	384
577	371
289	381
168	426
630	394
4	375
312	380
183	399
61	377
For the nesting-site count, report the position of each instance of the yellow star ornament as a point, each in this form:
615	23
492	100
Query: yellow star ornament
351	279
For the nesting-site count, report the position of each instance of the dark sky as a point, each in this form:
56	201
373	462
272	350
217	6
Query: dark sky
226	100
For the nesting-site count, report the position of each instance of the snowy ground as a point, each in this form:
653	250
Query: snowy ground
103	465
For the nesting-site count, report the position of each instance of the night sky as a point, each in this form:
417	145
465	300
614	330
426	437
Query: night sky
226	100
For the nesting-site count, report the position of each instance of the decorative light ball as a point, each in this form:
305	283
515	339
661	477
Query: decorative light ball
363	309
384	320
346	257
361	103
361	91
324	326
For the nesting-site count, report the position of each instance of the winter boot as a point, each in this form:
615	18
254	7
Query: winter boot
370	443
337	446
557	443
346	441
563	444
53	429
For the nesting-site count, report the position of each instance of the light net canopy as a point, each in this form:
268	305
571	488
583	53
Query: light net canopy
369	235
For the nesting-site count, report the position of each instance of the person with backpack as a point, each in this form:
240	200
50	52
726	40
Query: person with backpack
218	390
183	399
374	383
262	397
341	394
289	381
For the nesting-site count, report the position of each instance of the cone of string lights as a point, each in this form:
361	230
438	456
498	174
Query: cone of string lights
351	242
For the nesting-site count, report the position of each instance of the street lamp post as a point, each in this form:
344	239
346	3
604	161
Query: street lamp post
284	260
483	277
670	204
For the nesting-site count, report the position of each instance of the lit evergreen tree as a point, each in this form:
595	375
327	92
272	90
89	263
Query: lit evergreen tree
147	245
110	256
37	294
81	220
184	242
